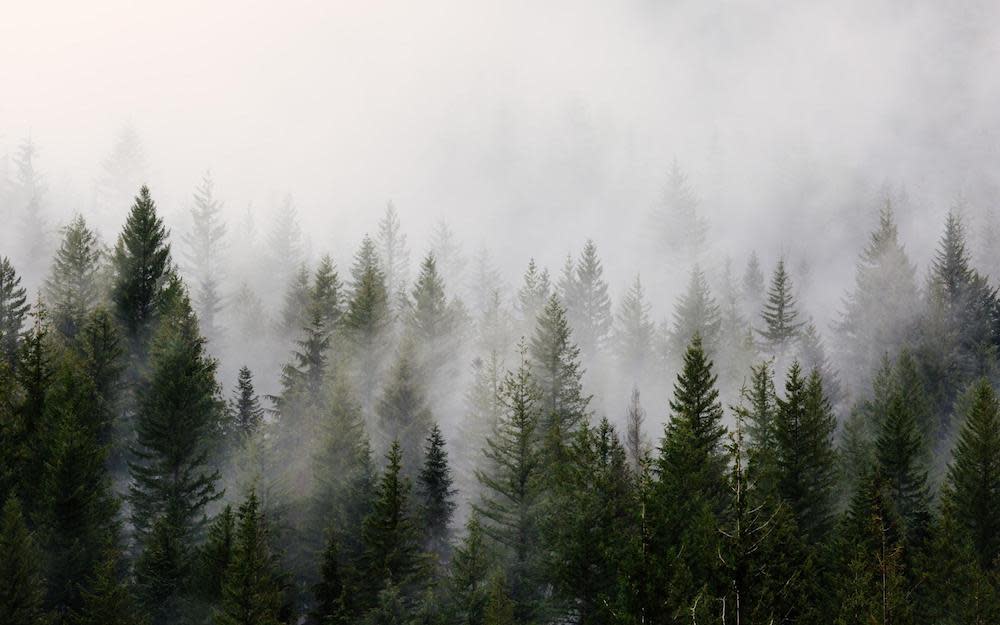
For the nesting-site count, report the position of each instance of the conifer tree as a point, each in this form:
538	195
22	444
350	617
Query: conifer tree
246	412
753	284
141	265
556	370
880	309
468	585
390	536
326	295
696	313
13	309
284	243
29	189
512	485
402	410
107	598
367	319
122	171
203	255
588	307
34	373
779	314
447	251
329	593
217	554
436	496
804	428
73	288
394	257
900	454
253	590
532	295
432	322
972	490
500	608
678	227
171	479
22	588
811	355
634	333
294	312
636	444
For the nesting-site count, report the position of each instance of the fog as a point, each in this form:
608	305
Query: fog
527	127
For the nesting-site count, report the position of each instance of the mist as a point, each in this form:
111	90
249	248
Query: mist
492	137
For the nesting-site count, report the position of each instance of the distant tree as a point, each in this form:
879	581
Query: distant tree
32	241
394	257
402	410
244	407
73	288
13	310
431	321
253	590
696	313
124	169
881	307
447	252
22	588
812	356
634	333
203	255
284	242
367	319
532	295
588	306
636	443
295	308
436	496
753	285
677	225
779	314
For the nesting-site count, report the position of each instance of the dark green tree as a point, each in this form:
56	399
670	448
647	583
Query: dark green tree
779	314
22	587
247	415
13	310
588	306
216	555
468	584
330	592
436	496
107	598
402	410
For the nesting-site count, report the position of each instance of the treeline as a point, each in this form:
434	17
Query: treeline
135	491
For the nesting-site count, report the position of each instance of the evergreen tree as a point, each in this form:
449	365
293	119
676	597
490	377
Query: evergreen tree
500	608
779	314
216	555
253	590
367	319
557	371
73	288
22	588
512	484
447	251
394	257
29	188
402	410
636	444
432	322
171	480
436	496
806	467
532	295
696	313
141	265
246	412
677	225
326	295
294	312
284	243
753	284
99	344
470	575
390	536
123	170
331	606
900	455
13	310
107	598
634	333
880	309
203	254
34	373
588	306
812	357
972	490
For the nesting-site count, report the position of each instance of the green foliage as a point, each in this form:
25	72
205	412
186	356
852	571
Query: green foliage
588	306
436	496
779	314
73	289
402	410
634	332
696	314
468	584
22	588
13	310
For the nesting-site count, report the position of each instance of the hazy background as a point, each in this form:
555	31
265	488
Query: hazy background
528	126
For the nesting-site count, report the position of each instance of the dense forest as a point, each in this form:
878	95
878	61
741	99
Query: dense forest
178	445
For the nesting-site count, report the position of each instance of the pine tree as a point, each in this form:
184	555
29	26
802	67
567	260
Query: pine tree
696	313
470	575
216	555
779	314
13	309
448	253
532	296
22	588
900	454
402	410
500	608
753	284
294	312
812	357
329	593
123	170
246	412
171	479
806	467
367	319
73	288
326	295
284	242
557	371
390	536
972	490
678	228
636	444
35	370
203	255
107	598
436	496
634	333
141	265
431	320
394	257
99	345
881	307
512	488
29	189
588	307
253	590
